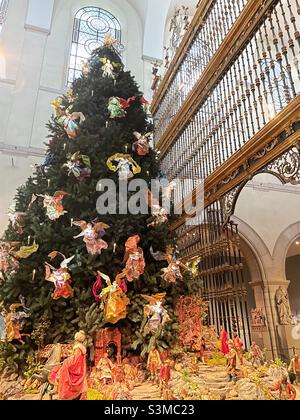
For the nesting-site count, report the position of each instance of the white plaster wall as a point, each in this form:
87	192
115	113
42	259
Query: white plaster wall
14	172
269	207
34	55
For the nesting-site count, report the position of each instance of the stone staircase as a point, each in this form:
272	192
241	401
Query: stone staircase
212	380
146	392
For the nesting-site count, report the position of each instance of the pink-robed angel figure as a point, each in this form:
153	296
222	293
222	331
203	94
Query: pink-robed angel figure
134	259
92	234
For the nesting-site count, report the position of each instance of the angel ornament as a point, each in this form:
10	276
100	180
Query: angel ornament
117	106
134	259
156	314
160	216
60	277
54	206
17	219
58	107
26	251
172	273
92	234
8	262
114	299
109	67
14	321
142	145
72	122
126	166
79	166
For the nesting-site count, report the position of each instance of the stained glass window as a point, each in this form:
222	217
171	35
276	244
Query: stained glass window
91	26
3	12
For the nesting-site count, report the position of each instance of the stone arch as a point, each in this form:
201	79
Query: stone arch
260	262
255	249
283	243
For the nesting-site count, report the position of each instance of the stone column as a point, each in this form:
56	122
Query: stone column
283	332
265	336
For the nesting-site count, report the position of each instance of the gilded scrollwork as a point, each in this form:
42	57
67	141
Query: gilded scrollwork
286	167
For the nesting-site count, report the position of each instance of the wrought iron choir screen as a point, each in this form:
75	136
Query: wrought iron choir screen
227	109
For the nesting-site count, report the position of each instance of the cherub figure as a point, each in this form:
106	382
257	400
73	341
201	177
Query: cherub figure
172	273
159	214
155	313
60	277
109	67
92	234
54	205
134	259
142	145
126	166
72	122
14	321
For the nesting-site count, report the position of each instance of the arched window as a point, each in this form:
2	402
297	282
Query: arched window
91	26
3	12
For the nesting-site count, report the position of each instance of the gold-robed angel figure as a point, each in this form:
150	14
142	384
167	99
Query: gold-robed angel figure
14	321
60	277
92	234
57	106
26	251
54	206
114	298
155	313
124	165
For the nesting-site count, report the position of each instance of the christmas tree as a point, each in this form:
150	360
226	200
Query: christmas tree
100	131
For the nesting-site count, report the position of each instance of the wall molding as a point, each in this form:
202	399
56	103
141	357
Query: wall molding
152	59
11	82
37	29
51	90
272	187
12	150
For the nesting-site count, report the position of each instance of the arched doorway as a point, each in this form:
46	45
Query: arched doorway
292	267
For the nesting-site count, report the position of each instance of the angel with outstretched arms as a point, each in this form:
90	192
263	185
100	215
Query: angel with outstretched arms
92	234
155	313
172	273
54	206
142	145
60	277
14	320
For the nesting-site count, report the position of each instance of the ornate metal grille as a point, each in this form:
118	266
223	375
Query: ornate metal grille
3	12
91	25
